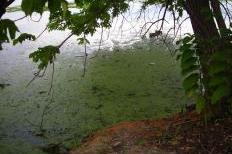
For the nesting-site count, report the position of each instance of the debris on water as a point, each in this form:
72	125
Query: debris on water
4	85
55	148
151	63
40	133
131	94
42	92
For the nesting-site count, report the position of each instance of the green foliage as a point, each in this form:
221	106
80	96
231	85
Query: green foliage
190	67
54	5
24	37
30	6
220	92
190	84
217	80
83	41
44	56
174	5
7	27
220	70
60	20
200	103
93	14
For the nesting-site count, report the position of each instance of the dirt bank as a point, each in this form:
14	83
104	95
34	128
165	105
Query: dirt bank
177	134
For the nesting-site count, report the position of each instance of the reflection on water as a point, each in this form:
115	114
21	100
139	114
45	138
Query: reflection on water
21	107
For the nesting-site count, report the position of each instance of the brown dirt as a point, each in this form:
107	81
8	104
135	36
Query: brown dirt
175	135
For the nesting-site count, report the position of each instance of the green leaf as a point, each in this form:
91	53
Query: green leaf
7	27
64	6
217	68
193	91
178	57
188	38
24	37
200	104
219	57
190	83
44	56
185	47
191	69
30	6
188	54
217	80
188	64
54	5
220	92
83	41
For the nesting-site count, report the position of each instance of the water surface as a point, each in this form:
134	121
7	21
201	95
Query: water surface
122	87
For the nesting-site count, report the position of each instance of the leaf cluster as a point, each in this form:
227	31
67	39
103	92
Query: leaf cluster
7	26
220	69
217	80
23	37
44	56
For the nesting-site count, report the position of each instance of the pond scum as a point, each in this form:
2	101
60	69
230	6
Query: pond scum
133	83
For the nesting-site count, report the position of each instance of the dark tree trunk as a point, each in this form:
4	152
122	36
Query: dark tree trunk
201	17
218	15
2	8
3	5
202	14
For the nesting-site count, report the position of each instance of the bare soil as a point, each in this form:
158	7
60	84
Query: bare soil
181	133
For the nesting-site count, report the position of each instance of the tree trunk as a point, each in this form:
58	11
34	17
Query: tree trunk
3	5
218	15
202	14
201	17
2	8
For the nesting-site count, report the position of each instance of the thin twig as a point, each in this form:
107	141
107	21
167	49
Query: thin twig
164	15
152	23
62	43
85	60
132	26
37	75
100	42
45	111
42	33
20	18
179	27
53	71
227	11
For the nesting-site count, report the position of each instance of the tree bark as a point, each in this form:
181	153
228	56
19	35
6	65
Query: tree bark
205	30
2	8
202	14
218	15
201	18
3	5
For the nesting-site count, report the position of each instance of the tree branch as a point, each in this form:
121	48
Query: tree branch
85	60
8	3
62	43
152	23
20	18
42	32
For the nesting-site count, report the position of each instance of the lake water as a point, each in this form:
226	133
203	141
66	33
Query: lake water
22	108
